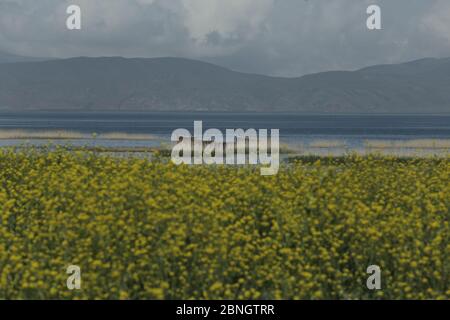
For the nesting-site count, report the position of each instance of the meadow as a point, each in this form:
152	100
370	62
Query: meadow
141	229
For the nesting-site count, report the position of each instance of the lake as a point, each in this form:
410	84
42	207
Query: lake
295	129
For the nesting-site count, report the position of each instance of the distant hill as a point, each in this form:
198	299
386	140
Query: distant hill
172	84
11	58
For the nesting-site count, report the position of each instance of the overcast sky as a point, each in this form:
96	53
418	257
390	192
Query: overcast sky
277	37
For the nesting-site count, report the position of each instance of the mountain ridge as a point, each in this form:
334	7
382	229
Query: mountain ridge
6	57
179	84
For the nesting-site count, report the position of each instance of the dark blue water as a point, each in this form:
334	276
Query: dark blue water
290	125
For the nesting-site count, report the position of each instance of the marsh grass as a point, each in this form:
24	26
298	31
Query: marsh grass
408	144
70	135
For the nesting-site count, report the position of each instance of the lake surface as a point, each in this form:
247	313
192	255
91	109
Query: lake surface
294	128
289	124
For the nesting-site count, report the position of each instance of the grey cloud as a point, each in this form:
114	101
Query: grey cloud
278	37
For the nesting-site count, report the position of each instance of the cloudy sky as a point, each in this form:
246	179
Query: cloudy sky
277	37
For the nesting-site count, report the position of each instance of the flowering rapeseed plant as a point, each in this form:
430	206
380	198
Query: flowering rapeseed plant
152	230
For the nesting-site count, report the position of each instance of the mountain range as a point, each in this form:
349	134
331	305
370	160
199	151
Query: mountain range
175	84
6	57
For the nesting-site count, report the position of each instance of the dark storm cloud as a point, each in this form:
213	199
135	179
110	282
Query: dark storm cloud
280	37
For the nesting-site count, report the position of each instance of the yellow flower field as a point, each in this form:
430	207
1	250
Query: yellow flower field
142	229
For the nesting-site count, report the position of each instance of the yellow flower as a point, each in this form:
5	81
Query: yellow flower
141	229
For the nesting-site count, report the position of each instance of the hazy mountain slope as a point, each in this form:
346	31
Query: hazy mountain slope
11	58
181	84
418	86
